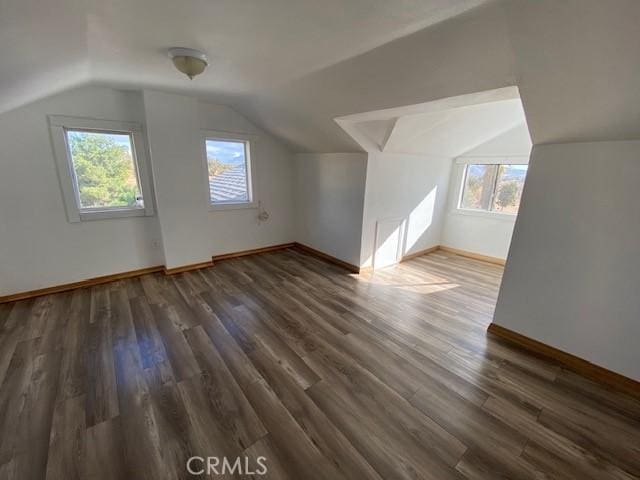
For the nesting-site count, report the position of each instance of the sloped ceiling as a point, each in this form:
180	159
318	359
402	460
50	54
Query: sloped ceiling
254	45
452	132
515	142
43	49
446	129
293	66
575	63
376	132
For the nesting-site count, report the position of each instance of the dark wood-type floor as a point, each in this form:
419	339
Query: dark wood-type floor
326	374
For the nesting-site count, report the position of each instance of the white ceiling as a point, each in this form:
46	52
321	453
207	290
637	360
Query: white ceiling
574	62
293	66
447	128
515	142
450	133
253	45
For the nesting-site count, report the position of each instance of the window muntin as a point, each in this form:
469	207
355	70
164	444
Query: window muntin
493	187
105	175
508	191
228	168
478	187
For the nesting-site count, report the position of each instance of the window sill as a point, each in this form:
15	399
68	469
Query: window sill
115	213
505	217
220	207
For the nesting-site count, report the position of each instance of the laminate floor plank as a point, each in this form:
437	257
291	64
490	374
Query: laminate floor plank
67	440
244	372
575	458
5	310
349	391
12	397
12	332
148	337
301	456
179	355
104	457
317	426
622	404
317	372
54	323
479	464
262	453
73	371
35	418
238	420
391	450
101	393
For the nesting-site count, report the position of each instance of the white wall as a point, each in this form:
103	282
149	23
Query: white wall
38	246
479	232
329	200
408	187
174	140
484	234
236	230
191	232
573	271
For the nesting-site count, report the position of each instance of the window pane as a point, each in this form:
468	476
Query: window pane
478	187
509	188
227	164
104	169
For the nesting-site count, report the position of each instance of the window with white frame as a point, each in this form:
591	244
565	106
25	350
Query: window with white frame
102	168
492	187
229	172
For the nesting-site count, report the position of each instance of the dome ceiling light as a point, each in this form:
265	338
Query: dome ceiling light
188	61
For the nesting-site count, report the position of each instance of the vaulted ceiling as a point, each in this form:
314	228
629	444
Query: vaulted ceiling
293	66
255	45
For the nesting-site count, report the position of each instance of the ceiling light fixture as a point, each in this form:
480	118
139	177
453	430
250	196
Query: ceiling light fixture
189	61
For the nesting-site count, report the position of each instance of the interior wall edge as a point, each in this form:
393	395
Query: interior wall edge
571	277
89	282
328	258
571	362
475	256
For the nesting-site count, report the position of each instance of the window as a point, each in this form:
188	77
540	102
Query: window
102	173
228	172
493	188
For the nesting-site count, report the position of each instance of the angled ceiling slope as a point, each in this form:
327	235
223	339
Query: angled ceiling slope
448	127
255	45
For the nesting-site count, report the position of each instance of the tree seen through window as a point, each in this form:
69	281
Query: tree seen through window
493	187
104	169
